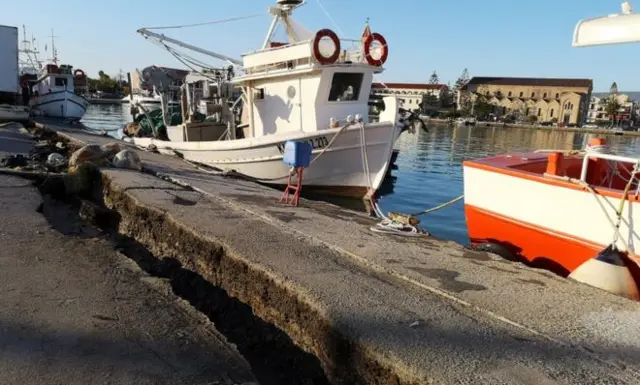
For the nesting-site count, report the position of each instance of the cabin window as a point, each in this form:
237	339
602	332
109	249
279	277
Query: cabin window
60	82
345	86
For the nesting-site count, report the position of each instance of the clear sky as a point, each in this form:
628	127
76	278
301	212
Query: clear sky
490	37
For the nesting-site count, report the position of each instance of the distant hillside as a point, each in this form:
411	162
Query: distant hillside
633	95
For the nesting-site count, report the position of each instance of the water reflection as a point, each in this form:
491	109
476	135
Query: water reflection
430	163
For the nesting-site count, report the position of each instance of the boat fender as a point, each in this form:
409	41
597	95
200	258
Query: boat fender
495	248
79	73
608	271
316	46
376	37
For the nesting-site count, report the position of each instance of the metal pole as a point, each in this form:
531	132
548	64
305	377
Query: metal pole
132	108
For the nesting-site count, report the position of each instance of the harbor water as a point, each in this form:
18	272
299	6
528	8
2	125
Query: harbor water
429	164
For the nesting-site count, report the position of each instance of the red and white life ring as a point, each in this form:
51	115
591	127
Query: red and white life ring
78	73
316	46
367	49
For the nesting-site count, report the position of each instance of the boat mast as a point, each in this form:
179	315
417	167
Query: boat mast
54	52
28	48
162	38
281	12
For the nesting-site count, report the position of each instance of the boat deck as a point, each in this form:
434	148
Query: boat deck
406	310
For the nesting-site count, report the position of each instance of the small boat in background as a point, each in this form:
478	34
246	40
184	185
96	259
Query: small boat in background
52	90
56	92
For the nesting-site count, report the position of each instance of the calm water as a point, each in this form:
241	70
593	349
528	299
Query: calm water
429	168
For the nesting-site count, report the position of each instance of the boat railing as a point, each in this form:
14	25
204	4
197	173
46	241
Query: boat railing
297	55
611	157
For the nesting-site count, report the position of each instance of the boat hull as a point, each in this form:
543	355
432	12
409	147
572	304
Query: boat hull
61	104
337	171
551	224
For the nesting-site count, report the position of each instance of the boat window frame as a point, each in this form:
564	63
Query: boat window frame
349	75
65	81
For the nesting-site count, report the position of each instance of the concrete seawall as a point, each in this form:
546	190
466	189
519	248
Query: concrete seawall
371	309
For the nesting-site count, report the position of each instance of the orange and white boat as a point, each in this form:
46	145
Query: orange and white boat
553	210
577	214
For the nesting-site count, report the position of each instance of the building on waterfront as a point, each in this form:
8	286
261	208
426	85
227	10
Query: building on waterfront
599	111
138	84
551	100
411	94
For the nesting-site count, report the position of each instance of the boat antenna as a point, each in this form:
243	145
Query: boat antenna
54	51
281	12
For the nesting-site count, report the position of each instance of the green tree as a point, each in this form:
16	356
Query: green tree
462	80
434	78
447	98
105	83
612	107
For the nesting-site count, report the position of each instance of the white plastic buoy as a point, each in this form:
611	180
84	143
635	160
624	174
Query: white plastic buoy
607	271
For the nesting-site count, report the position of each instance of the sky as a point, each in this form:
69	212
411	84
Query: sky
490	37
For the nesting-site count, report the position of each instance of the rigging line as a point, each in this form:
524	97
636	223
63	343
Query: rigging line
208	22
177	56
185	58
330	18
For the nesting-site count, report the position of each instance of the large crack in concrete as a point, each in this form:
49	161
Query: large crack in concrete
283	337
273	356
204	269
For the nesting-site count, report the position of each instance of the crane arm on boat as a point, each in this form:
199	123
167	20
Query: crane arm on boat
162	38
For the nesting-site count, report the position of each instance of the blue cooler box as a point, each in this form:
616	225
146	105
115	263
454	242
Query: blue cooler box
297	154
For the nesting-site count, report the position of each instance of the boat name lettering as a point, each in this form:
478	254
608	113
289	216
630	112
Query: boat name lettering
316	143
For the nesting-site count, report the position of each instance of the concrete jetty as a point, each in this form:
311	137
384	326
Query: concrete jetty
370	308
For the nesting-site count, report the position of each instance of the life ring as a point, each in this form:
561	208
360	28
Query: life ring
367	49
316	46
79	73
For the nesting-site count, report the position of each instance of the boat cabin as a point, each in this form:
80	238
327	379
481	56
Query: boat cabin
310	83
53	78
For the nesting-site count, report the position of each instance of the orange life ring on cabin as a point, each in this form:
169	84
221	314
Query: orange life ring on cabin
316	46
367	49
78	73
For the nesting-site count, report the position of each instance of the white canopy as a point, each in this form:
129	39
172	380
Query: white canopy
612	29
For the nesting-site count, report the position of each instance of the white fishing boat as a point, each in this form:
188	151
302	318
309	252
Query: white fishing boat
53	91
310	88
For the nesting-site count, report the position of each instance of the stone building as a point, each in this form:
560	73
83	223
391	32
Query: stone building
564	101
411	94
